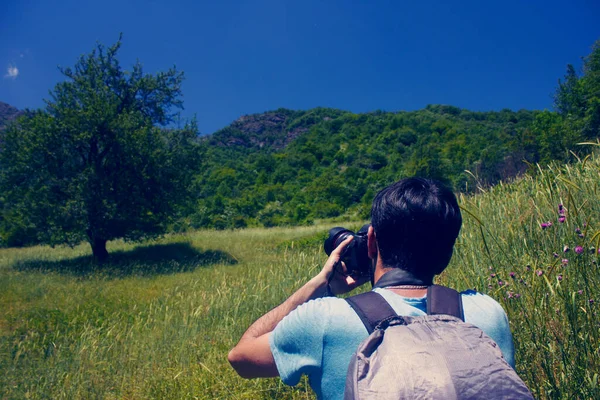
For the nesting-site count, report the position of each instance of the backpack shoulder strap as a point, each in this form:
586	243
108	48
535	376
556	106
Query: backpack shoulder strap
443	300
371	308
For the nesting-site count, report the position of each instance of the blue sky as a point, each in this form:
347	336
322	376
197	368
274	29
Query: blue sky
243	57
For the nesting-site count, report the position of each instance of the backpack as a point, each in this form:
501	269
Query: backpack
437	356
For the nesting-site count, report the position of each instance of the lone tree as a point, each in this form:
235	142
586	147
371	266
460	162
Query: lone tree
99	163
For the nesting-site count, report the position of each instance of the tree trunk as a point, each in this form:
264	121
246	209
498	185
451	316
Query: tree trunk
99	250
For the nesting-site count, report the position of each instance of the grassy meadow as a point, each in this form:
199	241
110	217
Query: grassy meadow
159	319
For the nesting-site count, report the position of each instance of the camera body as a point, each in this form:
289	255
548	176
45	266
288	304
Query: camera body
356	255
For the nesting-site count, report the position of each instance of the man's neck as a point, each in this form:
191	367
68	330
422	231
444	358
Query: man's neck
411	293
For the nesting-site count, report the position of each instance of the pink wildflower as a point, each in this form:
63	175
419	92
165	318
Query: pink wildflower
578	249
539	272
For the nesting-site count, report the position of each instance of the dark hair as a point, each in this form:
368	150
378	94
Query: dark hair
416	223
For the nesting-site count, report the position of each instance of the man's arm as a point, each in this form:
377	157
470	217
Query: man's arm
252	357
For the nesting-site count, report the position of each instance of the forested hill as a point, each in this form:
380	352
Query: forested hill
290	167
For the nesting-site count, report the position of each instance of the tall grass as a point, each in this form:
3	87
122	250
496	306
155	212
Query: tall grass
159	319
544	271
123	334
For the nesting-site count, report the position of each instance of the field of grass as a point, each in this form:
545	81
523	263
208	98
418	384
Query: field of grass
159	319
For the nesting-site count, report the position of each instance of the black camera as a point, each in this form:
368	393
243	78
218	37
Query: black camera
356	254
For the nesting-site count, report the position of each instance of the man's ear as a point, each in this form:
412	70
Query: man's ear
371	243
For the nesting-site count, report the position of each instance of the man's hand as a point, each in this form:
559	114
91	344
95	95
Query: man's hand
335	272
252	357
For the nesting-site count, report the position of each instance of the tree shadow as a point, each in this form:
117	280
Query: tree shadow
143	260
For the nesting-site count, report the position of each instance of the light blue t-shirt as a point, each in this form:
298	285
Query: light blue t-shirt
319	337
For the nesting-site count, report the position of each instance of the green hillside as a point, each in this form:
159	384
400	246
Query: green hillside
292	167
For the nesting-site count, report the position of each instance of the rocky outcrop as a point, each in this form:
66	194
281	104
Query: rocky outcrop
272	130
7	114
269	130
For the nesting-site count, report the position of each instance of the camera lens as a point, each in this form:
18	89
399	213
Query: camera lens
336	236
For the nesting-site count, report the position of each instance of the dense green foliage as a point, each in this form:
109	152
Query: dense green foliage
157	321
94	165
341	160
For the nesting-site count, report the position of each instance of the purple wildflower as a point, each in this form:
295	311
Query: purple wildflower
566	249
577	230
578	249
580	291
528	267
500	283
560	208
539	272
565	261
555	255
492	275
561	219
559	277
517	295
545	225
512	275
591	301
581	235
509	295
